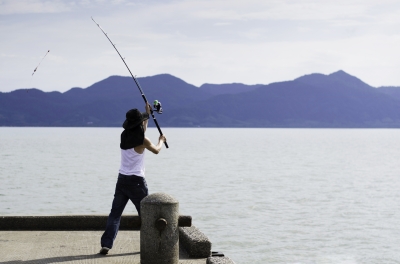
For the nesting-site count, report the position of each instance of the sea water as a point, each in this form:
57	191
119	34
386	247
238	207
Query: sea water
261	195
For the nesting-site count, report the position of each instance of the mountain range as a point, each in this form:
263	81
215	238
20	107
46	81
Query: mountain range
337	100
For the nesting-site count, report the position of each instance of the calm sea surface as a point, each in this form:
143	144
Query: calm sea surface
260	195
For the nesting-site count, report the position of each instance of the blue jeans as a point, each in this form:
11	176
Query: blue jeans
132	188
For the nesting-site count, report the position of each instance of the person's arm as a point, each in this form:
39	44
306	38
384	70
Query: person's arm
154	148
147	107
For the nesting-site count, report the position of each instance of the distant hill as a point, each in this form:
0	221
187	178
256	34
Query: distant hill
315	100
392	91
231	88
101	104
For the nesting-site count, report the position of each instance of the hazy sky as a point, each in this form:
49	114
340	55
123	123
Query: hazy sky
216	41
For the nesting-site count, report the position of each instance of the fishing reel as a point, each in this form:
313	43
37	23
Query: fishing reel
157	107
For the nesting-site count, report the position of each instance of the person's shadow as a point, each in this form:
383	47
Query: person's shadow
66	258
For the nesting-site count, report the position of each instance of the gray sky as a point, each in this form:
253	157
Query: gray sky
216	41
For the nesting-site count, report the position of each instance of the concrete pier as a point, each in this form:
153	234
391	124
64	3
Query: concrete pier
37	247
76	239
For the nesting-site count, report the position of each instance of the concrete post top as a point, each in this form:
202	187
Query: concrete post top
159	198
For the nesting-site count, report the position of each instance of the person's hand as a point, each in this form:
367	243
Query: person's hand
148	108
162	138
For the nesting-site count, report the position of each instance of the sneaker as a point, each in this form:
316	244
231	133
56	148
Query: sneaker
104	250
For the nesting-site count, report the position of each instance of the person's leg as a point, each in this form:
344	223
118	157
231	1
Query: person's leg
136	190
113	221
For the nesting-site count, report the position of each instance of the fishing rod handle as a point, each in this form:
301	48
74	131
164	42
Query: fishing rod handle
159	130
158	127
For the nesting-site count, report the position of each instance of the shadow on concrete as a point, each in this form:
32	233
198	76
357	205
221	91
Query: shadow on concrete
183	255
66	258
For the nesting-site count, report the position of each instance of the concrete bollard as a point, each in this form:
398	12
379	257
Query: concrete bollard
159	233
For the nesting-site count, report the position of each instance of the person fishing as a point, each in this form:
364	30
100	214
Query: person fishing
131	183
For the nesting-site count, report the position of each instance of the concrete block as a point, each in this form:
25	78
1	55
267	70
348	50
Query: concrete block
65	222
219	260
196	244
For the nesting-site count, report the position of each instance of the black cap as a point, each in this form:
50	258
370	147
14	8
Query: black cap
134	118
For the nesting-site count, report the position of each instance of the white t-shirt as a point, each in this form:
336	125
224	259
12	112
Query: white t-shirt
132	163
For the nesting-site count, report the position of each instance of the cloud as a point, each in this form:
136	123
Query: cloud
215	41
256	20
286	9
9	7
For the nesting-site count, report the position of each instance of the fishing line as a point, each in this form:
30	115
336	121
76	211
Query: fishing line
40	62
30	83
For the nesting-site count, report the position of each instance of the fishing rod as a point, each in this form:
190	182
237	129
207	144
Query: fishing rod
157	104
